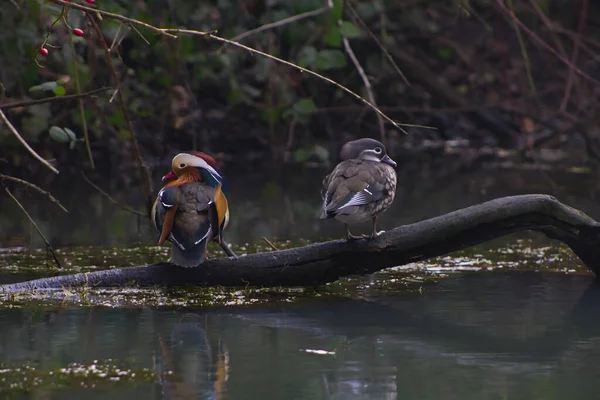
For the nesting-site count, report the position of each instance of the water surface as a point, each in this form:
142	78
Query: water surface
511	319
492	335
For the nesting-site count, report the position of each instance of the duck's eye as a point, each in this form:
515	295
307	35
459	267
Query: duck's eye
378	150
181	165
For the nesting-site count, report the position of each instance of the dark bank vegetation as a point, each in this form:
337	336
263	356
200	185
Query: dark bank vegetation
515	75
114	88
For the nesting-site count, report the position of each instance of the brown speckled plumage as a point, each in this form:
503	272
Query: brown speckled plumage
361	187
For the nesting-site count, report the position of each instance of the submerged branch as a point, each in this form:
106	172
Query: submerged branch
326	262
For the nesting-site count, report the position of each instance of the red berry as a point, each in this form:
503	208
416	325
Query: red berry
77	32
44	51
90	1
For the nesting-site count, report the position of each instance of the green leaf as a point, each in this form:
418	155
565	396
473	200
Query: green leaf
37	122
366	10
330	59
59	90
124	135
72	144
445	54
164	80
44	86
321	152
307	56
333	37
271	115
349	30
337	10
302	154
84	73
59	134
117	119
251	91
235	96
304	106
72	135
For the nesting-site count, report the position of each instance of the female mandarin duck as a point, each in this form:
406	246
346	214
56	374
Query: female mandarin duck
361	187
191	209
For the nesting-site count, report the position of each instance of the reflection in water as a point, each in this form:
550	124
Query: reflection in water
476	336
188	369
354	380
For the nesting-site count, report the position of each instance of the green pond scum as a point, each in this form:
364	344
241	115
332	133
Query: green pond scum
509	253
27	377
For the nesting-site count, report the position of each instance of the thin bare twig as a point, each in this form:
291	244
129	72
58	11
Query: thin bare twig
48	245
366	82
52	99
118	17
276	24
24	143
290	64
575	54
144	173
172	33
545	45
387	54
549	25
110	198
116	38
39	189
571	34
271	245
523	51
139	34
86	136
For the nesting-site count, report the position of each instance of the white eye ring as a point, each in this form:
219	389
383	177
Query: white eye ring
378	150
182	165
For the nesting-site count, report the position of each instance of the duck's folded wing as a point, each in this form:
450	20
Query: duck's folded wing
367	195
350	188
164	211
221	208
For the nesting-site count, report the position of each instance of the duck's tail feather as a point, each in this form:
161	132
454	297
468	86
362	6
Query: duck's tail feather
189	258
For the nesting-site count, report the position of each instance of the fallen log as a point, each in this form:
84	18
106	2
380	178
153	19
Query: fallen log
328	261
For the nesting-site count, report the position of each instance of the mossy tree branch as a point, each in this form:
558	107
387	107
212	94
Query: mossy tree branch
326	262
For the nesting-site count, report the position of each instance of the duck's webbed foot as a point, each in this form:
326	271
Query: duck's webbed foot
350	236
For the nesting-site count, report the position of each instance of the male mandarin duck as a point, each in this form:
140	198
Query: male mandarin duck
191	210
361	187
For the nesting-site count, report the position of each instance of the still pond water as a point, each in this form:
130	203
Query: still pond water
513	319
520	335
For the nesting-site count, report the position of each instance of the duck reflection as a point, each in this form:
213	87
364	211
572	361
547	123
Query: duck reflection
358	380
189	369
